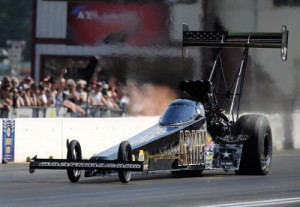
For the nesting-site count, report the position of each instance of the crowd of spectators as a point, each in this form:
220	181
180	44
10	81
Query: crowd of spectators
60	93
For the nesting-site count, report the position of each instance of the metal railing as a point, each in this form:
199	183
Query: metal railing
51	112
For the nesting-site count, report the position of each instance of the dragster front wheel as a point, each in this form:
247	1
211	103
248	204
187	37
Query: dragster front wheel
124	154
74	153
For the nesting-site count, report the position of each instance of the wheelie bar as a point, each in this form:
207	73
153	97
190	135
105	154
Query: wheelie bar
64	164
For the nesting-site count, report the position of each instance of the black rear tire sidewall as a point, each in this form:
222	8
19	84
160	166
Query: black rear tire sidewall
257	150
124	154
74	175
265	153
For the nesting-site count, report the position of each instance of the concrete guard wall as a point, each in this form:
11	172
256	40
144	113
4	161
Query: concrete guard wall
47	137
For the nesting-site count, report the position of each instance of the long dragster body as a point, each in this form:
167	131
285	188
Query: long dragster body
183	145
193	134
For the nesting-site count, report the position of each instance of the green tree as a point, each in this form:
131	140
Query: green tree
16	23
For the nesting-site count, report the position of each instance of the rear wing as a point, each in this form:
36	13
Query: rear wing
214	39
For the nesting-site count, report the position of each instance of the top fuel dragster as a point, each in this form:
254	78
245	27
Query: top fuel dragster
193	134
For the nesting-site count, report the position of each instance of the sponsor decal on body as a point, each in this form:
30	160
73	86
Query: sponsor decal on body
192	143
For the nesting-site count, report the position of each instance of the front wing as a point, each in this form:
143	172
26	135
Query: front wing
63	164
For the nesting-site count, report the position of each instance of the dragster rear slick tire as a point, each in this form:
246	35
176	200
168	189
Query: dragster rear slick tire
257	150
74	153
124	154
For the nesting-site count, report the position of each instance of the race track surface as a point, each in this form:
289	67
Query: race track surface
281	187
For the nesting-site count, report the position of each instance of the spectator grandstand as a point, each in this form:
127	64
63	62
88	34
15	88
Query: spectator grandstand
58	98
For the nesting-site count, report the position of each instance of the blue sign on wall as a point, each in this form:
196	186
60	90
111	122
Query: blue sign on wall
8	137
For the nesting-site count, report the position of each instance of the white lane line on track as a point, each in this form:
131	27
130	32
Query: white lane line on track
258	203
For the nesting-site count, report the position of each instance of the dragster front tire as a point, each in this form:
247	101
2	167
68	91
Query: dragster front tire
74	153
124	154
257	150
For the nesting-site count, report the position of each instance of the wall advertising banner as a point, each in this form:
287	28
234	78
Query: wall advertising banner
112	23
8	139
